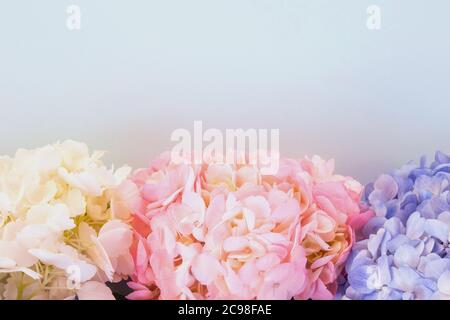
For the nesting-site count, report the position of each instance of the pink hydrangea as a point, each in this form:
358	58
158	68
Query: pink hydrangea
220	231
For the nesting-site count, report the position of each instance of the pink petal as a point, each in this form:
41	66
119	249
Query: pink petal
151	192
205	268
322	261
279	273
286	211
338	195
258	205
215	210
162	266
267	262
321	292
141	258
136	286
235	244
319	241
93	290
140	295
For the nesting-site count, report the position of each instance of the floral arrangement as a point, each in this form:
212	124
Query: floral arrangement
406	250
217	231
71	228
64	227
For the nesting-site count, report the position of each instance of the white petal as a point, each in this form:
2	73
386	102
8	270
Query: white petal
93	290
85	233
12	250
55	216
48	159
33	235
63	261
32	274
5	204
76	202
98	254
85	181
6	263
122	173
95	249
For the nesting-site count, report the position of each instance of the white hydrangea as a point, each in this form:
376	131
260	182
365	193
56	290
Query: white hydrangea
63	224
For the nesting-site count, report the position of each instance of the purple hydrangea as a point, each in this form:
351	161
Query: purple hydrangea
405	251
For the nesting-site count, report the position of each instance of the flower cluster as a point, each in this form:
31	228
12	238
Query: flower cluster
406	251
63	224
69	226
219	231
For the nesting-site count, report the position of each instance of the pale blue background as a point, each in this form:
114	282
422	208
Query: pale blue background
139	69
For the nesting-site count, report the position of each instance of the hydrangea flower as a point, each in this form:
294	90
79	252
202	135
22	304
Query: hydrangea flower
406	250
219	231
63	224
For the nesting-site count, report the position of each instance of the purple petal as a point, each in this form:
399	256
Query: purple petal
386	188
427	187
441	157
415	226
437	229
445	217
406	256
375	241
422	292
397	242
384	270
434	268
358	279
404	278
429	246
426	209
444	283
394	226
373	225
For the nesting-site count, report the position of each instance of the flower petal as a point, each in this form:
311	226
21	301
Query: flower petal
205	268
94	290
406	255
415	226
444	283
437	229
235	244
404	278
